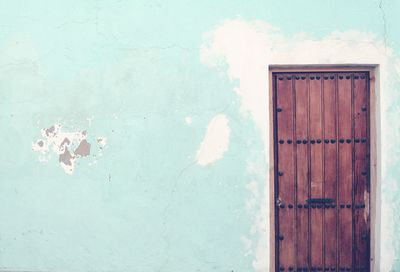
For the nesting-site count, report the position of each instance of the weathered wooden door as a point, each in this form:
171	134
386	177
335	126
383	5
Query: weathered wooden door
322	184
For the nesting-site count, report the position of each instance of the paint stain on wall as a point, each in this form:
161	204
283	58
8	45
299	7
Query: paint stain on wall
67	146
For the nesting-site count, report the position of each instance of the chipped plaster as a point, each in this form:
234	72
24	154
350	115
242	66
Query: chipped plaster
58	142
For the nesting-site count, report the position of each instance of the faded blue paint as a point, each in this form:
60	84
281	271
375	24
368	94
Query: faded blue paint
145	206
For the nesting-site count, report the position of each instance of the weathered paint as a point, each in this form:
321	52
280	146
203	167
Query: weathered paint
135	75
61	143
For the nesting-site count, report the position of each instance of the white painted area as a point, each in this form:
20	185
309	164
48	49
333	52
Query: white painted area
102	144
69	169
90	120
387	234
215	142
40	146
251	202
247	245
188	120
243	50
102	141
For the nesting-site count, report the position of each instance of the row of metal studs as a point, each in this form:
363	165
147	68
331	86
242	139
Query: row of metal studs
290	268
364	173
327	141
318	77
306	206
363	108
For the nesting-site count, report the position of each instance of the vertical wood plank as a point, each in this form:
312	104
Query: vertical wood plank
330	166
361	165
345	171
302	195
316	175
286	168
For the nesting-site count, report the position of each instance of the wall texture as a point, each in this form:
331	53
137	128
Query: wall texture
135	133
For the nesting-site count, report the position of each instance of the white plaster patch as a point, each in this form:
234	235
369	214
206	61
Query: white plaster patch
252	201
247	245
243	50
68	146
215	142
102	144
188	120
40	146
102	141
388	234
90	120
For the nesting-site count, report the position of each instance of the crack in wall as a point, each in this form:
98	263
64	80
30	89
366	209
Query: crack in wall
165	215
384	23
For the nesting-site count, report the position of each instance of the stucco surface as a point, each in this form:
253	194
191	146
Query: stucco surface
134	134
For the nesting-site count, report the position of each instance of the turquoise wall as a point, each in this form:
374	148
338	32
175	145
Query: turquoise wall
131	78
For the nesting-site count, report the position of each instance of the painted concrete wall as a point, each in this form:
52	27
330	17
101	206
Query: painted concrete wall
135	133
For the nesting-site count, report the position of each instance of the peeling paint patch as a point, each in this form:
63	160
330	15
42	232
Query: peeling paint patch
67	161
83	149
101	141
101	144
50	131
367	206
55	141
40	146
215	142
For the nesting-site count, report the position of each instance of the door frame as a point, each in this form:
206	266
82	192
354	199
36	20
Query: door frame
375	164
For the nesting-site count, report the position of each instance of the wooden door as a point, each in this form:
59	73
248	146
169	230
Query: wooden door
322	183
